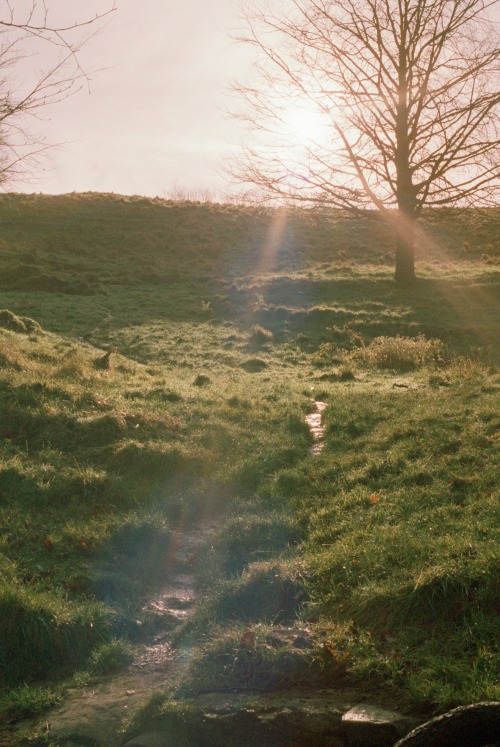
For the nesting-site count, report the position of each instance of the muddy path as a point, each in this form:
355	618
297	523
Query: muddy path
94	715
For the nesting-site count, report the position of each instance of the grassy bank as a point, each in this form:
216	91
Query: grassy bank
157	360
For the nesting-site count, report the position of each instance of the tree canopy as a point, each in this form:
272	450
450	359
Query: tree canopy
405	94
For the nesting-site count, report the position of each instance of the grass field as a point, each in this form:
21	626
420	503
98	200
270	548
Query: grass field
157	361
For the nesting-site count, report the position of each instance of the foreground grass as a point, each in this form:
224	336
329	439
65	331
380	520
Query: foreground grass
393	558
144	390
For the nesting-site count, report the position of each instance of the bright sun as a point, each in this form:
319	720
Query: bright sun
305	124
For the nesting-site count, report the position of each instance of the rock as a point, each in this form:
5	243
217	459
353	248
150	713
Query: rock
154	739
284	719
368	725
290	718
474	726
294	637
278	719
76	740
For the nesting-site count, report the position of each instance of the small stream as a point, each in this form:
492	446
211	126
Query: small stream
315	422
95	713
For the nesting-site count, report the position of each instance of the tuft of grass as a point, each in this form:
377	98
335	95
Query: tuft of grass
111	657
173	716
254	365
401	354
253	658
10	356
245	539
43	635
268	591
20	324
201	380
25	701
260	335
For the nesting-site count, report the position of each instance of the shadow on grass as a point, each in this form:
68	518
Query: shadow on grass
459	312
344	311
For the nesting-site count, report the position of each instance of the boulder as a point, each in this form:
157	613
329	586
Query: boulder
472	726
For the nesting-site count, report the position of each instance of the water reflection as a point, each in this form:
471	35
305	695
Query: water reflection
315	422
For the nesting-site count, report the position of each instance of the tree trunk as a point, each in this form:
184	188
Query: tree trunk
405	259
405	191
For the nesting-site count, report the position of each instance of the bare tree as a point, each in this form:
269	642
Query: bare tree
408	91
27	27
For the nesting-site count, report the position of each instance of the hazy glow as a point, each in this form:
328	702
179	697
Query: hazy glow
270	246
153	115
305	124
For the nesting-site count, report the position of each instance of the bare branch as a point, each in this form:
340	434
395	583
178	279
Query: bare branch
410	93
23	31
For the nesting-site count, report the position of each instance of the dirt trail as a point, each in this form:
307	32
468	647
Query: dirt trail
93	716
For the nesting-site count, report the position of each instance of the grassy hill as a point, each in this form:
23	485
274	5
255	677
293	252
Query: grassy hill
157	361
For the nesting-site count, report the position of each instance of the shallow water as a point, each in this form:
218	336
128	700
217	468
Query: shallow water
315	422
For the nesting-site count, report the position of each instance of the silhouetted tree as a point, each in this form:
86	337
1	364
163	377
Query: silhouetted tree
408	91
26	27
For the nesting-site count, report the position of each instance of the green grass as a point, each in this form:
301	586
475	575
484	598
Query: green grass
157	360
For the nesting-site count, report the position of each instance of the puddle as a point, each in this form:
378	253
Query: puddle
315	422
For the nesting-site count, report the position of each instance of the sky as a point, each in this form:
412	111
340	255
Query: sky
154	121
154	118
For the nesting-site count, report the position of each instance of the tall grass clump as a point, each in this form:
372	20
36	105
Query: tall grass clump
245	539
267	591
260	335
111	657
401	354
43	634
15	323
